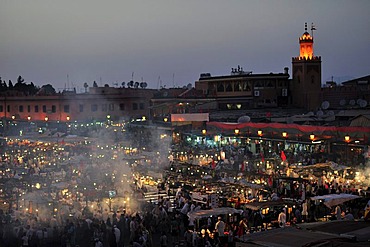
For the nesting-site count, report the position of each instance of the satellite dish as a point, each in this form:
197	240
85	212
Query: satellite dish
325	105
310	114
352	102
363	103
244	119
342	102
319	113
330	113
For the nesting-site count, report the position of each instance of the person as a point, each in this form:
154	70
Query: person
282	219
243	227
163	240
304	211
220	227
338	212
349	216
25	240
98	243
117	234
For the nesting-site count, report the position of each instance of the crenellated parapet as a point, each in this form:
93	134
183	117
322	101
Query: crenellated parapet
314	58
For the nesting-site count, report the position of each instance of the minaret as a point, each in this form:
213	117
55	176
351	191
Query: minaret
305	86
306	45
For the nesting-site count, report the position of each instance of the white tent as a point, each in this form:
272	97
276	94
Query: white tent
335	199
213	212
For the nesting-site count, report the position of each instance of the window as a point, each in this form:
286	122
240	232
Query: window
220	87
1	108
229	88
141	106
66	108
104	107
36	108
121	107
53	109
134	106
21	108
237	87
28	108
81	108
247	86
94	107
111	107
8	108
44	108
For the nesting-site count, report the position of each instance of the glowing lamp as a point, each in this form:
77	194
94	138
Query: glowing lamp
13	117
259	132
29	118
285	134
165	119
46	119
204	131
236	131
312	137
68	118
347	138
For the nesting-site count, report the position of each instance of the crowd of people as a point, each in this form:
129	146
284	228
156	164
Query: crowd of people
84	215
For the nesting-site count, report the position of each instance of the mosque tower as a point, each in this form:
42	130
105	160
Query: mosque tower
305	86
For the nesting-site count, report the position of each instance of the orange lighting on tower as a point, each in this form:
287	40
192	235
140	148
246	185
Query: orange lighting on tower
306	45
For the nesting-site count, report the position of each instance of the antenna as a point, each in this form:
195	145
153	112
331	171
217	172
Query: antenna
313	27
305	26
173	80
67	81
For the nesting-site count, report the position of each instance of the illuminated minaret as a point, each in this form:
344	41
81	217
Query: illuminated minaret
305	86
306	45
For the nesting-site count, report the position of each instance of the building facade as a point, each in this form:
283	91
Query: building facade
98	104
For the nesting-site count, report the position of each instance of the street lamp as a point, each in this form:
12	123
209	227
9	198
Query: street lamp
29	118
259	133
236	131
68	118
312	137
204	131
347	138
284	134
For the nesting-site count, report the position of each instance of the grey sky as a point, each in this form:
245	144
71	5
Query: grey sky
46	40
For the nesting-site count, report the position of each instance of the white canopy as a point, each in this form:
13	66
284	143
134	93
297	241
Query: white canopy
213	212
335	199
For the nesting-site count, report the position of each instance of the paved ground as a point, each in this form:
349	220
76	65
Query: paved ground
333	233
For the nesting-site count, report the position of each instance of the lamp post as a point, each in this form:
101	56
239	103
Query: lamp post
260	133
347	140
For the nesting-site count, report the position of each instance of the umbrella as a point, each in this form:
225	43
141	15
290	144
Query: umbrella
335	199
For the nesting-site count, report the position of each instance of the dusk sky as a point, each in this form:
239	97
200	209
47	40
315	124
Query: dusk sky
170	43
